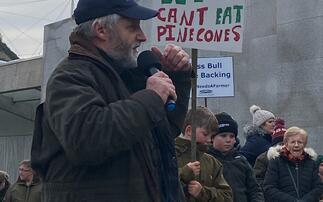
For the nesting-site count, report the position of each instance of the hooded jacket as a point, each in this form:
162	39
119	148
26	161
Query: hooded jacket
100	136
257	142
239	175
4	177
4	190
21	192
287	181
261	165
215	188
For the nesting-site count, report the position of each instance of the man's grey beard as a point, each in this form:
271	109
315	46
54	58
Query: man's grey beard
124	59
124	62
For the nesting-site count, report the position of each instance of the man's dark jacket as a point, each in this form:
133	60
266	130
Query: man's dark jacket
21	192
100	136
239	175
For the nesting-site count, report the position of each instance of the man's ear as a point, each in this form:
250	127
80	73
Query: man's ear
101	32
188	131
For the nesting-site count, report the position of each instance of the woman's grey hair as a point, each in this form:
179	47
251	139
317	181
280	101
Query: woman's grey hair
292	131
86	30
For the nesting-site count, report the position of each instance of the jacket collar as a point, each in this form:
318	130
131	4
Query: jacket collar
250	130
232	154
275	152
36	180
80	45
184	145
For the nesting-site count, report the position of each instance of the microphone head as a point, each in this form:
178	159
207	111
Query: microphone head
147	59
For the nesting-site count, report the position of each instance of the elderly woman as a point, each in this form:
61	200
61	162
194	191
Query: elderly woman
292	175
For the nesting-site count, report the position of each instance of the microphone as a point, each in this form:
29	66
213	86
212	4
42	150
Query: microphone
150	63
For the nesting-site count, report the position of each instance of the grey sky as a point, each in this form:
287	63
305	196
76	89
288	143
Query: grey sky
22	23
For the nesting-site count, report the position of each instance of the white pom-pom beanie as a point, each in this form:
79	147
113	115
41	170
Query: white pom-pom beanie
260	116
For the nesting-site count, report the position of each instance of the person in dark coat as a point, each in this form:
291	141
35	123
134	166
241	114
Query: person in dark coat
28	186
262	161
258	135
103	133
236	168
4	183
292	174
319	162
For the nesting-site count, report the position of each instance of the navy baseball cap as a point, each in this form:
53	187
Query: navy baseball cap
90	9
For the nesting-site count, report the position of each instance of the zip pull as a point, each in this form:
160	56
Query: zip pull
296	166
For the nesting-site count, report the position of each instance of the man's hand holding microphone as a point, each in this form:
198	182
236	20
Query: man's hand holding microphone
172	59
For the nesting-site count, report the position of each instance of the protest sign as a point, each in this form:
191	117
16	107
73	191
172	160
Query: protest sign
215	77
201	24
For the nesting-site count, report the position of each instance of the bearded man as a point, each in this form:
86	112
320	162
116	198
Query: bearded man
103	133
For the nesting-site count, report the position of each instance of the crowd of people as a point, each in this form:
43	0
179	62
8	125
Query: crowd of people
287	170
103	133
280	167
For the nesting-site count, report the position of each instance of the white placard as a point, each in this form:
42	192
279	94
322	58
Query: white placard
215	77
202	24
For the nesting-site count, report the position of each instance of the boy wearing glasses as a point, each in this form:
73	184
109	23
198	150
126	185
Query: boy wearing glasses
27	188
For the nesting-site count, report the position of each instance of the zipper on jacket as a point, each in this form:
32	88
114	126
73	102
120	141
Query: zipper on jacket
296	184
297	177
